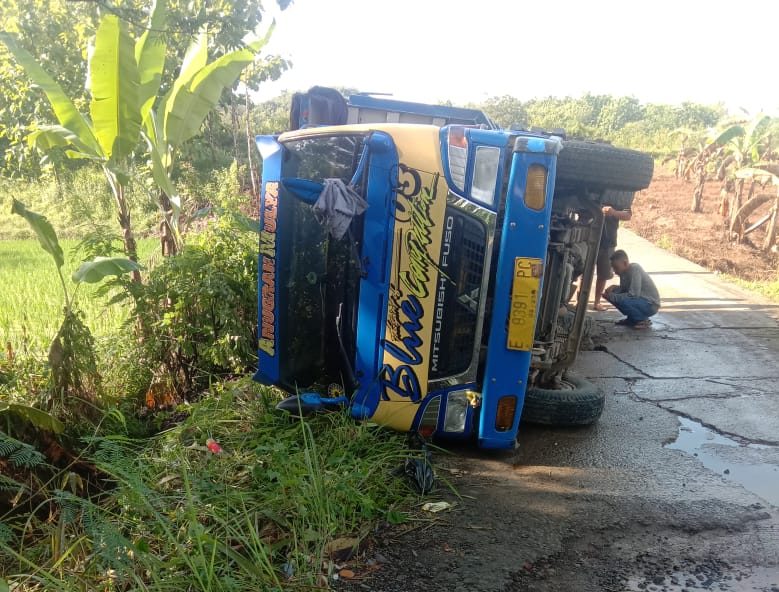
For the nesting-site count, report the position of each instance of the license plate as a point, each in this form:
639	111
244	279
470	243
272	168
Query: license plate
524	296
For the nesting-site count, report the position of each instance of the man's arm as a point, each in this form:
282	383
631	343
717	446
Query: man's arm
621	215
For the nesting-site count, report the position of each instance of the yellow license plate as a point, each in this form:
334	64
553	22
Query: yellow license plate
524	296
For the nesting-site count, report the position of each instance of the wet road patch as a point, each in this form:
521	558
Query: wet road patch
695	439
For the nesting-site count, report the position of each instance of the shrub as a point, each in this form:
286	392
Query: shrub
199	309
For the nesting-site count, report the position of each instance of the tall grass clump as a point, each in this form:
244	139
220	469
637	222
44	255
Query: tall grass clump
235	497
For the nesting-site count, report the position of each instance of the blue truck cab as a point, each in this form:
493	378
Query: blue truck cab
417	265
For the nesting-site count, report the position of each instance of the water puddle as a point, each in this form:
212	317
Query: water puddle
755	579
761	479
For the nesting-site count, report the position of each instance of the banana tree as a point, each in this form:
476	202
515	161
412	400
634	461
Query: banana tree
180	115
686	150
123	80
745	151
708	155
766	172
71	353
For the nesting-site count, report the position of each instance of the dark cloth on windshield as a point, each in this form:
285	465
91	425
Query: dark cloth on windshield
337	206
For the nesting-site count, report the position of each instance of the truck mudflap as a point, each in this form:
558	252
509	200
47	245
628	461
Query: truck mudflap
523	247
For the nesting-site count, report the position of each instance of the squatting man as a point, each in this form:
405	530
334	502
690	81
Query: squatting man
636	296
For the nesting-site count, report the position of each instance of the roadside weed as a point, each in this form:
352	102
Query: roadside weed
173	515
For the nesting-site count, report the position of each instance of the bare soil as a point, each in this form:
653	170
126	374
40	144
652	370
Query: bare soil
661	214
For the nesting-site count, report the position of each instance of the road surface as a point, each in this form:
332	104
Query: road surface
676	488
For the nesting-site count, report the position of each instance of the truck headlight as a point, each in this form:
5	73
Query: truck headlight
456	411
485	174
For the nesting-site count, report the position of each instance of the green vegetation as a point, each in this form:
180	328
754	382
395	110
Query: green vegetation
217	493
233	497
136	454
64	29
31	297
767	288
76	202
623	121
741	156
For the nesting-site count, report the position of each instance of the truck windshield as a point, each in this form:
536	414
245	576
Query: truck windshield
319	278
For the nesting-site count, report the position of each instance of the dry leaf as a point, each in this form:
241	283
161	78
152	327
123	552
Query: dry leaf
341	548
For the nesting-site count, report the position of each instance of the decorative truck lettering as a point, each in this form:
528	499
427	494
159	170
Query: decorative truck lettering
404	370
440	300
268	269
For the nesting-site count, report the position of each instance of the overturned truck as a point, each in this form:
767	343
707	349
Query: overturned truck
428	270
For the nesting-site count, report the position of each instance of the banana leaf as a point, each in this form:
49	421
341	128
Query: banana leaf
64	109
114	80
194	61
47	237
100	268
192	103
46	137
150	56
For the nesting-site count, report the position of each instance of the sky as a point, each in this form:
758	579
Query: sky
432	50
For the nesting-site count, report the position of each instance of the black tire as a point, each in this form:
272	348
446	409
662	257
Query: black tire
578	403
622	200
597	165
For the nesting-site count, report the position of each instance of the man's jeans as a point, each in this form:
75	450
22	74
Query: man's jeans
636	309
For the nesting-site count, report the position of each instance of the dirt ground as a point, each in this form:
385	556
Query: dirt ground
674	489
661	214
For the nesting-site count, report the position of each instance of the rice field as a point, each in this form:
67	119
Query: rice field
31	295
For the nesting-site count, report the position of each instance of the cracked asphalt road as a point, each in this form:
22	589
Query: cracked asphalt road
630	503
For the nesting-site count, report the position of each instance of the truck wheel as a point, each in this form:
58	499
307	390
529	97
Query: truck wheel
594	164
576	402
622	200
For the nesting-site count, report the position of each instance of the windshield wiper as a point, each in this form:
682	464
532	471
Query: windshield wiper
344	354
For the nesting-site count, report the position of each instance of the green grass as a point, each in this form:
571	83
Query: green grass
257	516
31	296
131	507
74	204
666	243
767	288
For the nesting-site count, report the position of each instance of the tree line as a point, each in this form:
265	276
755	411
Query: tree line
59	34
621	120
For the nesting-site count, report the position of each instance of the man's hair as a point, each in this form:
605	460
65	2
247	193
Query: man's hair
619	255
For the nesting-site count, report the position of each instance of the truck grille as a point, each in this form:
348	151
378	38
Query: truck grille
462	262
